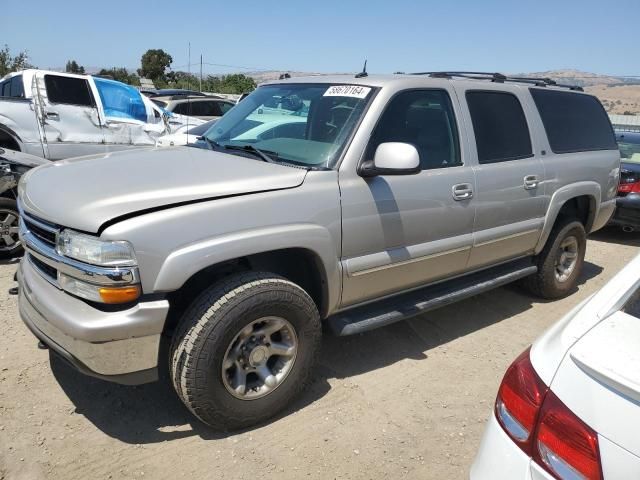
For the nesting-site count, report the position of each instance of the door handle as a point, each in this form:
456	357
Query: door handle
52	115
462	191
531	182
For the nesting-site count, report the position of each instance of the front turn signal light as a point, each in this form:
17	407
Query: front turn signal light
113	295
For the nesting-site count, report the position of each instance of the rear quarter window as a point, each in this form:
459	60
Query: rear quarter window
68	90
573	122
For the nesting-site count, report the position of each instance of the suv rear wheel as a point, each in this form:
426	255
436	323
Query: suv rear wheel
245	349
560	262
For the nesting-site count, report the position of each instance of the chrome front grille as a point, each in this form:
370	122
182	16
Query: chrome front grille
47	271
44	231
39	238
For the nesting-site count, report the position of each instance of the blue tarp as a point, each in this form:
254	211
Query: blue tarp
120	100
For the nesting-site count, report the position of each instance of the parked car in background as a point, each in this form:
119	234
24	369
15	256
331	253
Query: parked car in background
627	214
167	92
202	107
378	198
185	135
569	408
12	166
60	115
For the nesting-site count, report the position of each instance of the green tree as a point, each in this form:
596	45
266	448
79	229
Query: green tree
73	67
121	75
154	63
185	80
10	63
237	83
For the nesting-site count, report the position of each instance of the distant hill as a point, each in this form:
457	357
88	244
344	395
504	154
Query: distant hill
584	79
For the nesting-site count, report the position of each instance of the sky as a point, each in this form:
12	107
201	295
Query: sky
331	36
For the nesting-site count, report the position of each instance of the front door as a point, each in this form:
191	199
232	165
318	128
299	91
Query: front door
404	231
510	202
128	120
68	113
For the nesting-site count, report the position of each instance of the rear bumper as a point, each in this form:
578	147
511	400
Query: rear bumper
118	346
627	212
500	459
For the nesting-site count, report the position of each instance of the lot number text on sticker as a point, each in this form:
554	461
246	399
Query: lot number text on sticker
355	91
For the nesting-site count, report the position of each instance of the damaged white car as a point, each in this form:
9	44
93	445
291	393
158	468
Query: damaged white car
60	115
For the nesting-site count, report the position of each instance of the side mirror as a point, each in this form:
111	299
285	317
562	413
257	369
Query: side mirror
392	158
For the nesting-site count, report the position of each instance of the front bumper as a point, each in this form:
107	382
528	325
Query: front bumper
119	346
627	211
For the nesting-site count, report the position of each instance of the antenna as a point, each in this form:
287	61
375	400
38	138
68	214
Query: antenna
189	88
363	73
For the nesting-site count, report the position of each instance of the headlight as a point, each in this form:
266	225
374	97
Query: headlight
89	249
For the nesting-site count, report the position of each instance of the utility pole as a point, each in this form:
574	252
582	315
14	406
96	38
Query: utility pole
200	72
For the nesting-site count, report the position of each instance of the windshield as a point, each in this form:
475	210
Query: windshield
304	124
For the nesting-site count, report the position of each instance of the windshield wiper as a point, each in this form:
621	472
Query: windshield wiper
262	154
212	145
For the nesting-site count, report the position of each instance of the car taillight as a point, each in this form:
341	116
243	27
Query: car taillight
543	427
629	187
566	446
519	401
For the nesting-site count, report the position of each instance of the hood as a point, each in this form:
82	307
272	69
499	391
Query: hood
84	193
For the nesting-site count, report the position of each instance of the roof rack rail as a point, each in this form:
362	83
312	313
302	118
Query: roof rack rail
501	78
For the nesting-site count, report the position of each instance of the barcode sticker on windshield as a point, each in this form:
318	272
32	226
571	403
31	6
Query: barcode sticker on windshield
355	91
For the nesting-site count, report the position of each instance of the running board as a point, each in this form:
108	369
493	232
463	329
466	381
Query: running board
407	305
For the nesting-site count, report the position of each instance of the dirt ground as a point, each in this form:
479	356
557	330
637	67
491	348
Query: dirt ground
406	401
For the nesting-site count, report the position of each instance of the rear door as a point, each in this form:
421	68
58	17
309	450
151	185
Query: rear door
510	201
68	112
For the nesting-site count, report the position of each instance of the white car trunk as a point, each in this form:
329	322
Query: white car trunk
599	380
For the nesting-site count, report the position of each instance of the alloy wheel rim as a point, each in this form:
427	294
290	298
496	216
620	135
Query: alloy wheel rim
567	258
259	358
9	228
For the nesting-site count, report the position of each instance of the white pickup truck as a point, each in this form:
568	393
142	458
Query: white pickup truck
60	115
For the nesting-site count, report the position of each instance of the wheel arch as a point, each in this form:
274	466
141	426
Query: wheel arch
9	139
581	201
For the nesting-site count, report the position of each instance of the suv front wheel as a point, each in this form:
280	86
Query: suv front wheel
245	349
560	261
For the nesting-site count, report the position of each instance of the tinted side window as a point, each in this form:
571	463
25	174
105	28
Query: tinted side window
4	85
225	107
425	119
72	91
573	122
499	125
205	109
17	89
182	109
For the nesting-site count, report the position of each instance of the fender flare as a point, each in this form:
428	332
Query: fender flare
13	135
563	195
185	262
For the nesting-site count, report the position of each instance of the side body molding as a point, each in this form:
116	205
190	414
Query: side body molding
560	197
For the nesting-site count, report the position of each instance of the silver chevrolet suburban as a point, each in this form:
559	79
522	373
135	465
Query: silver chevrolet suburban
370	200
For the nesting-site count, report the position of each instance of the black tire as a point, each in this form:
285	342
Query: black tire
9	206
546	282
213	322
